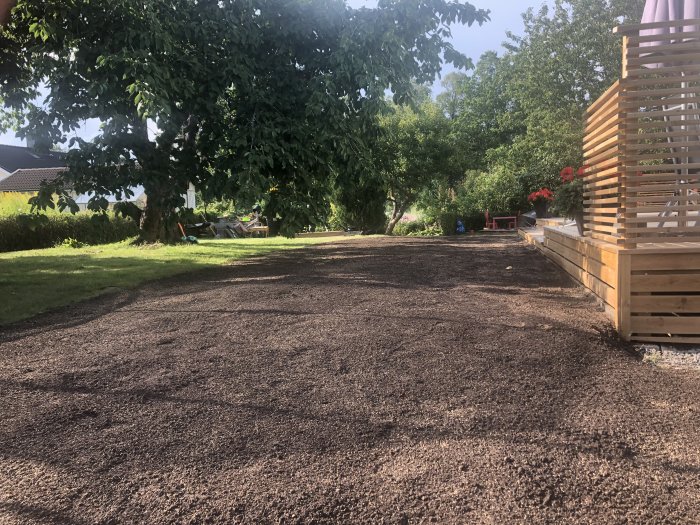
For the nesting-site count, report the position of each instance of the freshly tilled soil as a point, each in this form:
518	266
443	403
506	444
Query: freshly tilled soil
378	380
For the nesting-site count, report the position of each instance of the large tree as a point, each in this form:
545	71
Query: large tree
415	149
248	98
566	58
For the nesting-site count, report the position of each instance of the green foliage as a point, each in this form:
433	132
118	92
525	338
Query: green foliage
519	118
418	228
257	100
29	232
414	150
569	197
360	205
71	243
14	203
482	110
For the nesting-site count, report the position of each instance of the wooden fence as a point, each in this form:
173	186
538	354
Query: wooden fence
640	253
643	141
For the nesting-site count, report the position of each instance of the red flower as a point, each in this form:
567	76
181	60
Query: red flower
582	170
541	194
567	174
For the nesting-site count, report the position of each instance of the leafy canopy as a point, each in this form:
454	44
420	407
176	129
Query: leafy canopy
251	99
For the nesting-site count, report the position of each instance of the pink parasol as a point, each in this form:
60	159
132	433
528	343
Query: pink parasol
668	11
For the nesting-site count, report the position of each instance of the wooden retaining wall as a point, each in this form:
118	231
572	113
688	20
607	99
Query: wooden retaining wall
664	300
592	264
649	295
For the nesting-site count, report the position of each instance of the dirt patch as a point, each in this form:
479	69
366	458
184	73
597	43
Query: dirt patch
380	380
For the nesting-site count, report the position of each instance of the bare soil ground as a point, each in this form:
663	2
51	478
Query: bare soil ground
373	381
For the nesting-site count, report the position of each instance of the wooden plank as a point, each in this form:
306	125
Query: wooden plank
672	282
667	340
613	133
649	127
612	201
631	29
660	239
623	286
598	287
674	262
657	103
660	208
661	146
609	144
676	47
601	218
607	126
637	138
605	254
610	239
659	177
659	167
632	218
600	101
629	199
599	228
603	272
668	70
666	59
679	304
602	192
681	152
658	81
654	230
636	39
648	324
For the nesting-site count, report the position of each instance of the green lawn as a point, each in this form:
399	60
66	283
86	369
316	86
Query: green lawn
37	280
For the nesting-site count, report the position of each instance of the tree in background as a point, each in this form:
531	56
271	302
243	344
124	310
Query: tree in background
414	150
519	118
481	109
567	57
256	99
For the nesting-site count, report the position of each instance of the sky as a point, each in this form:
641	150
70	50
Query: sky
472	41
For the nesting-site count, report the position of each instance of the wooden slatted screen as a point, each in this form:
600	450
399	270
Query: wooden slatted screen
603	155
659	106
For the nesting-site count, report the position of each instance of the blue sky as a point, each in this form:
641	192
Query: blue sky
472	41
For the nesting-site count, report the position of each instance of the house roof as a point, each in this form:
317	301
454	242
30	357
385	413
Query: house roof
29	180
13	158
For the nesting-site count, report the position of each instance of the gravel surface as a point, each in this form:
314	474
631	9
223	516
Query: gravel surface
383	380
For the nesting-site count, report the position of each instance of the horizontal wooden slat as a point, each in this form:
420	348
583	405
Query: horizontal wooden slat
628	29
667	340
612	91
602	290
674	282
673	262
679	304
666	59
656	324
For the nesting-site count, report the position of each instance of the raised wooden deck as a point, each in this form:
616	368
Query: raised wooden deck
650	294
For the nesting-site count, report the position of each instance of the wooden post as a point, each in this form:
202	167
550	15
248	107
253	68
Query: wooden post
624	295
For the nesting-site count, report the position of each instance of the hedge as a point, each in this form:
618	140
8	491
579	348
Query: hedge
27	232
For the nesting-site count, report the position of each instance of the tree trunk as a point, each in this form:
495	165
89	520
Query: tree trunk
396	215
5	8
152	222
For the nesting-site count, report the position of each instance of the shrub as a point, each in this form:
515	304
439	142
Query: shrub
71	243
448	222
28	232
417	229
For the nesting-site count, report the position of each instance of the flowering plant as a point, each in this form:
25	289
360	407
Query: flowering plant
541	195
569	197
